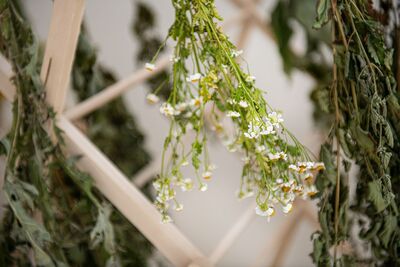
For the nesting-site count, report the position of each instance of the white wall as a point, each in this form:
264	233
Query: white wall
207	216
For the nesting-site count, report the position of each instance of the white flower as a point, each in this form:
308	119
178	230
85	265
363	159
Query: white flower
194	78
287	208
243	104
275	119
157	185
150	66
174	59
282	155
246	160
250	79
181	107
186	185
231	101
279	181
294	168
274	156
268	128
236	53
166	219
178	207
207	175
203	187
196	102
311	191
152	99
318	166
253	131
167	110
260	149
270	211
233	114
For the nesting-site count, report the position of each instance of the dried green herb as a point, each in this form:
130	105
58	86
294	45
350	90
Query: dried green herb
364	101
44	223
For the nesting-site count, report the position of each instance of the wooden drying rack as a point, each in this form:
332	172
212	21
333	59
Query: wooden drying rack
125	196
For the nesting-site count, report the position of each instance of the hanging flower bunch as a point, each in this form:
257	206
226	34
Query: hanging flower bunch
209	82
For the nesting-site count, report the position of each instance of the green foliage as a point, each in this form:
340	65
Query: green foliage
54	217
363	99
113	129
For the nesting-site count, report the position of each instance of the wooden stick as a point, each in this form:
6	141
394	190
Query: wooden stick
60	50
113	91
232	234
128	199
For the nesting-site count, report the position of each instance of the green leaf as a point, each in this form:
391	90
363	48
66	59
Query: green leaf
323	9
375	195
389	227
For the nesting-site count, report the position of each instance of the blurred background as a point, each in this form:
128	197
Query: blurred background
208	216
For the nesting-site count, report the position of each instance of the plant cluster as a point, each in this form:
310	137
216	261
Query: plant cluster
209	82
53	215
364	103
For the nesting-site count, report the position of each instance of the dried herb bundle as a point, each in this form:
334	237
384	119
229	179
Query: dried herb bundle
207	78
364	101
54	218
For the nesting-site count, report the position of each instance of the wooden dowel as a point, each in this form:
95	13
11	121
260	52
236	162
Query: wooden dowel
113	91
60	50
128	199
233	233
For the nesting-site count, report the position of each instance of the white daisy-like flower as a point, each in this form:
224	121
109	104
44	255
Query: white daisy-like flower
282	155
287	208
270	211
275	117
260	149
233	114
243	104
274	156
186	185
311	191
184	163
236	53
267	128
194	78
157	185
246	160
196	102
152	99
318	166
294	168
173	58
181	107
250	79
231	101
207	175
203	187
150	66
167	110
166	219
178	207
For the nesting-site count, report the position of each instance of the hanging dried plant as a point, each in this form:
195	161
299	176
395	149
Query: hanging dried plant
208	81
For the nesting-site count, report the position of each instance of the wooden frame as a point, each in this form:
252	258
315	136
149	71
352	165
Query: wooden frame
57	63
